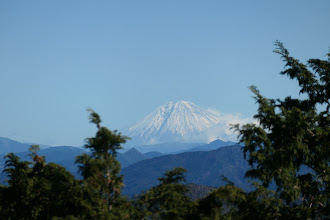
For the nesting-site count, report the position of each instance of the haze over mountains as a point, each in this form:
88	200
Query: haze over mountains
175	134
173	127
205	164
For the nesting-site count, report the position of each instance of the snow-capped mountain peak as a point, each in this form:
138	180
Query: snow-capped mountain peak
174	121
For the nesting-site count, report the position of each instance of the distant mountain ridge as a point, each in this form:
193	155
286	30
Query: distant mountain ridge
165	148
204	168
141	171
178	121
212	146
8	145
65	156
133	156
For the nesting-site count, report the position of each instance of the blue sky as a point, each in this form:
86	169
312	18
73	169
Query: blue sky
125	58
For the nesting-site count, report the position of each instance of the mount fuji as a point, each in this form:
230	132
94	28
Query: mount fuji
180	121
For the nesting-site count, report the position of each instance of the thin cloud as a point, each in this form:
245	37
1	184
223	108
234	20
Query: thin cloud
223	130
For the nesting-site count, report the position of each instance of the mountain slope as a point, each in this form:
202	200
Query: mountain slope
204	167
172	122
66	156
133	156
153	154
167	147
211	146
7	145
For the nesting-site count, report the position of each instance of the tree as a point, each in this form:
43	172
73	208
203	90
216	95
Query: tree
168	200
291	146
101	169
231	202
42	191
38	190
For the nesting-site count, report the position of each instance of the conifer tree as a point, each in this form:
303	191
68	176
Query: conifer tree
168	200
231	202
42	191
291	145
101	169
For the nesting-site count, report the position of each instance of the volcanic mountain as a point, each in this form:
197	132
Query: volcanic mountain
180	121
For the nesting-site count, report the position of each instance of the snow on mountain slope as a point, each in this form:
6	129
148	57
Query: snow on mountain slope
174	121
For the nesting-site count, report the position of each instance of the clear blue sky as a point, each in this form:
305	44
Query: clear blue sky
125	58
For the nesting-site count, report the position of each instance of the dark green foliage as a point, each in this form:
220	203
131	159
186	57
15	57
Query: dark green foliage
44	191
168	200
101	169
231	202
40	191
197	192
294	134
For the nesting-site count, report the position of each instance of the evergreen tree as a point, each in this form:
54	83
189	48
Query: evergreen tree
42	191
47	191
231	202
168	200
291	145
101	169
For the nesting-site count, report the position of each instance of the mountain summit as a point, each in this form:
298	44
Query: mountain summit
173	122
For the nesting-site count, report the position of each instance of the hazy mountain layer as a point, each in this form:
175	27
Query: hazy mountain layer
204	167
7	145
65	156
167	147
